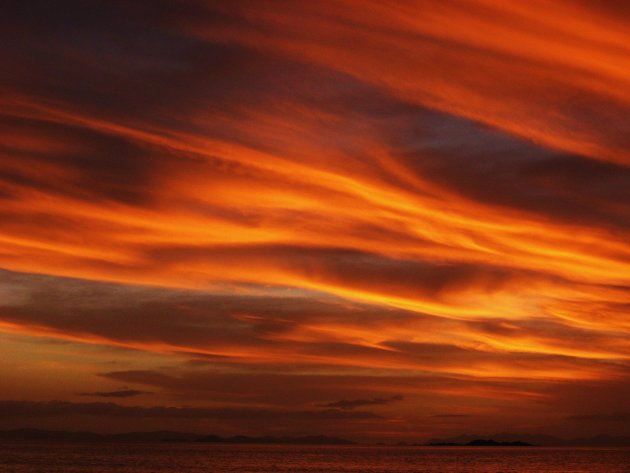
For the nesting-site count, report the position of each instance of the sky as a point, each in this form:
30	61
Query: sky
382	220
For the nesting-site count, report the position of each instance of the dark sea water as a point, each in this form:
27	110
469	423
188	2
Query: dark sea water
212	458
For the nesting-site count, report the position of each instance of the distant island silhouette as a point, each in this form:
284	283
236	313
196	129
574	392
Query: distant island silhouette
523	439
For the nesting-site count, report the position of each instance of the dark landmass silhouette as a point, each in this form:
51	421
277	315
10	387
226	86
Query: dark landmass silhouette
498	440
305	440
83	436
162	436
537	440
482	443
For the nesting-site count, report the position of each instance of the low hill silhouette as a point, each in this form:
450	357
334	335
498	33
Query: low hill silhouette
84	436
162	436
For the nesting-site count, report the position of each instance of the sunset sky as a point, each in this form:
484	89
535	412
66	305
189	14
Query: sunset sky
381	220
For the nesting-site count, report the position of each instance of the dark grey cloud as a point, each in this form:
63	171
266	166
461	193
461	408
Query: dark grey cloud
29	409
197	319
122	393
183	318
354	403
284	386
494	168
354	268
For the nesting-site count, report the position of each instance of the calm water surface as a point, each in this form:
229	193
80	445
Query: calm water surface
211	458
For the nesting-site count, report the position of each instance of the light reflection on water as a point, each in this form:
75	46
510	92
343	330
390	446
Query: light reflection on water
52	457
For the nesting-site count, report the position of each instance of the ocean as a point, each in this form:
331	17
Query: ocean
58	457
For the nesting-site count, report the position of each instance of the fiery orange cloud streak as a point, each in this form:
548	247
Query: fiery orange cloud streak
479	369
365	201
528	242
515	66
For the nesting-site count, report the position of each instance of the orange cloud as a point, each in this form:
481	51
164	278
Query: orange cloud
413	188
